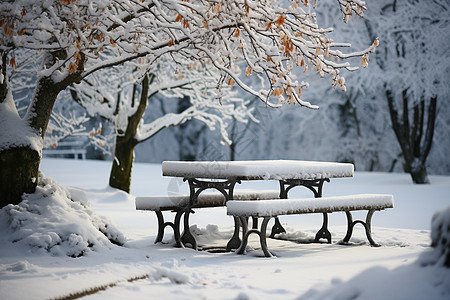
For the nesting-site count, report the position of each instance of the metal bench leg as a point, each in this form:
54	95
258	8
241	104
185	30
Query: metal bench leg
187	237
367	226
262	236
235	241
161	226
255	222
277	228
323	232
244	242
175	227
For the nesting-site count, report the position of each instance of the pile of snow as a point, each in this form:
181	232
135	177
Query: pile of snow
58	220
427	277
15	132
440	239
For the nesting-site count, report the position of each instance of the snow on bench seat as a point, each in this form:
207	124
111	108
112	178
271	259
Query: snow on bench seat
273	208
170	202
179	204
270	208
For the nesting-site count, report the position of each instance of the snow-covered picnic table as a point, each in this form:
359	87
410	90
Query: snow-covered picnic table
223	176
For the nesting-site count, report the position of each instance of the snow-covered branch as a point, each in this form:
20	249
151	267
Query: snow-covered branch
261	37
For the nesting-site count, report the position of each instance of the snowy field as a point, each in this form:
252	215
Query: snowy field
142	269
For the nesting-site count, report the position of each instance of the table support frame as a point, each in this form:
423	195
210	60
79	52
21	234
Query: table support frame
196	187
316	186
226	187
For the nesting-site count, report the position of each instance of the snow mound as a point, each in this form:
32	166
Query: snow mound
426	278
18	267
440	240
54	220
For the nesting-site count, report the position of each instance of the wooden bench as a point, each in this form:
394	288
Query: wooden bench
179	205
268	209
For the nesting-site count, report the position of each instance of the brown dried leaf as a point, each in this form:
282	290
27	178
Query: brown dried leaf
280	20
12	62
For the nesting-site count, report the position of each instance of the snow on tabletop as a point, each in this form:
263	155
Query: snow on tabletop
204	199
285	206
258	169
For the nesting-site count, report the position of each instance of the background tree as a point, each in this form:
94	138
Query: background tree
270	40
116	95
414	74
188	134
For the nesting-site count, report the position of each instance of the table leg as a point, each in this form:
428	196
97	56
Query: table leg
235	241
323	232
277	228
187	237
314	186
196	187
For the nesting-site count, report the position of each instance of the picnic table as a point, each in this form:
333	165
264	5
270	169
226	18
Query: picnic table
224	175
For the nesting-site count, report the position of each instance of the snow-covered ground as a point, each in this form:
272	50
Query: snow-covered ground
142	269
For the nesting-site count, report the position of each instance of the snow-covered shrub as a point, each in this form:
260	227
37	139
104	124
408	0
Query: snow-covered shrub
440	236
58	221
440	240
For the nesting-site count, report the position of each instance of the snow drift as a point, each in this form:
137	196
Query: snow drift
59	220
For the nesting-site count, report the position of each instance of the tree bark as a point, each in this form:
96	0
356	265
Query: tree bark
121	170
414	143
19	172
120	176
4	82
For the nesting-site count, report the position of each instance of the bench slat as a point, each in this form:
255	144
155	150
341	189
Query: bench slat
169	202
271	208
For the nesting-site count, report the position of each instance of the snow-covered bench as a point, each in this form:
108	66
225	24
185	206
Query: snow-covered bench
273	208
179	205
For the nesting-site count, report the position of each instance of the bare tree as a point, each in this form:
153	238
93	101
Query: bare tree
414	74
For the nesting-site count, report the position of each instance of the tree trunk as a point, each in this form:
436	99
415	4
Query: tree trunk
188	134
419	173
120	176
18	174
415	139
20	164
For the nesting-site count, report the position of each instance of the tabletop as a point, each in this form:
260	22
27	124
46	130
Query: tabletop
257	169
